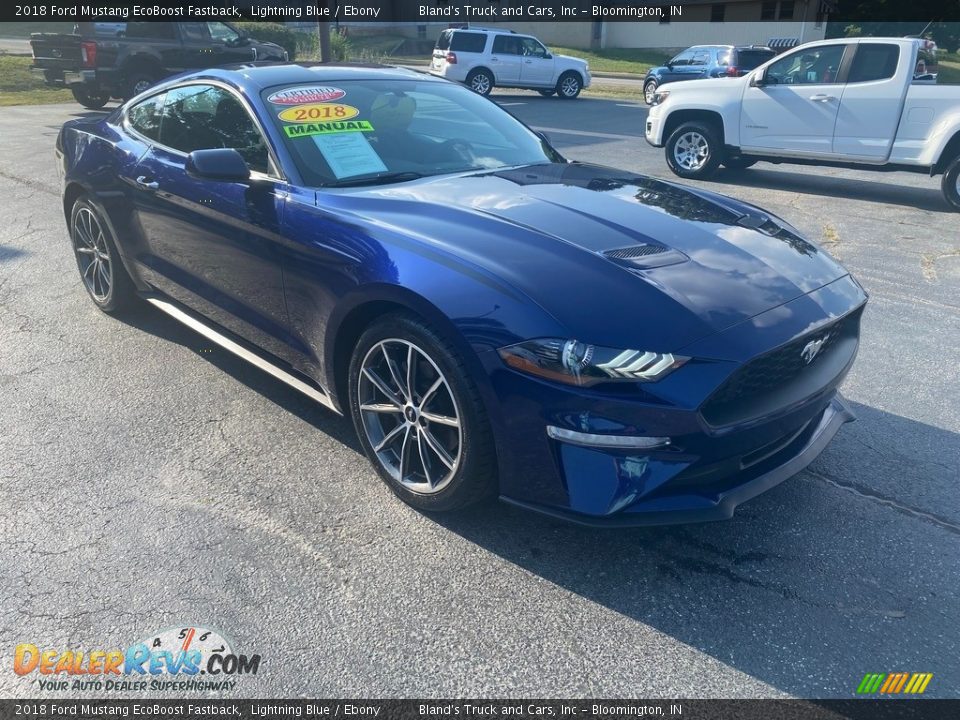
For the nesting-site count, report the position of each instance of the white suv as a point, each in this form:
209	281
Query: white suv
484	58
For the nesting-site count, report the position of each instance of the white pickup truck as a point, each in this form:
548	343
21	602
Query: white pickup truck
868	103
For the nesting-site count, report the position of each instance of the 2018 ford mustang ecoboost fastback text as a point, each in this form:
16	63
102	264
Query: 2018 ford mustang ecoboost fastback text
583	341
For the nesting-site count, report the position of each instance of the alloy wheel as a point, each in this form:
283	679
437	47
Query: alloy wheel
93	254
410	416
691	150
648	92
480	84
569	86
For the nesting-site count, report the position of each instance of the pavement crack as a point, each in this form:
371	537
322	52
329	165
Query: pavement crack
869	494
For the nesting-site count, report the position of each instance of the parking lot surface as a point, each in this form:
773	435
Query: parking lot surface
149	480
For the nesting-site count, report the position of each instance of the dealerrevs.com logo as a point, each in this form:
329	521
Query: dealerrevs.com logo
179	659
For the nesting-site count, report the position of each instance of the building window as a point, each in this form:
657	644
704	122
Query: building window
786	9
717	12
768	10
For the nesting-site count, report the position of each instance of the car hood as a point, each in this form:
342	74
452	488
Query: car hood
571	59
612	256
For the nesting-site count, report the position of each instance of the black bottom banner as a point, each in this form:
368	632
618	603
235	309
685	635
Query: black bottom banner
866	709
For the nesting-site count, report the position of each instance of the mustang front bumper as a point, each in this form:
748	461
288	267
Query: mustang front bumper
612	477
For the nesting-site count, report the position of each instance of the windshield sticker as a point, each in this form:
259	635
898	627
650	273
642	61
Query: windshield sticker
318	111
306	94
349	154
327	128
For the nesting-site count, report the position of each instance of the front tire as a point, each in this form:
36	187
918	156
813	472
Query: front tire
98	260
649	90
481	82
951	184
89	100
693	151
419	416
569	86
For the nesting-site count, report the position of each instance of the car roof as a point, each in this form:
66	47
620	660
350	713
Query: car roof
254	77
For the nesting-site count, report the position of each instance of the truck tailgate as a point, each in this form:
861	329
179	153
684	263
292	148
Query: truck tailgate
55	51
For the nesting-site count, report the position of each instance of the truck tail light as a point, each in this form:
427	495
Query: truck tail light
88	53
451	58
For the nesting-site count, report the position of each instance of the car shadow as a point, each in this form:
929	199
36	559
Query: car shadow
885	193
8	253
822	579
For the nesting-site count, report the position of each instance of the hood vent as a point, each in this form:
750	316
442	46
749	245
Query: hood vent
642	257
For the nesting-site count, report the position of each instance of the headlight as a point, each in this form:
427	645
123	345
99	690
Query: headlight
660	96
575	363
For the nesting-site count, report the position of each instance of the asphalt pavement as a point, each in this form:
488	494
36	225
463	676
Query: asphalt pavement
150	481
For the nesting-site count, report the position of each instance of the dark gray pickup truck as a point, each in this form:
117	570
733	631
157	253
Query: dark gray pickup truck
100	61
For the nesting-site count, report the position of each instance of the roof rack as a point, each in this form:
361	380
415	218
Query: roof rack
486	29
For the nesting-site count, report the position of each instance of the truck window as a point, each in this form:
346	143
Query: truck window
815	66
874	61
468	42
151	30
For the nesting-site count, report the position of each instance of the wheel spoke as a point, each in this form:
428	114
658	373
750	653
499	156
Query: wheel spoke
89	269
86	251
104	279
390	437
394	373
438	449
405	453
382	387
440	419
428	395
411	372
381	408
424	459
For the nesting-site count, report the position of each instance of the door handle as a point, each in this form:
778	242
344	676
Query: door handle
528	61
144	182
820	97
493	58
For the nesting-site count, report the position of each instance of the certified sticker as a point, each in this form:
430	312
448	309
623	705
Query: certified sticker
306	94
318	112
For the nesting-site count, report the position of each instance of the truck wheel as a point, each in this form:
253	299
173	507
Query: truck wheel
480	81
92	101
137	82
951	184
693	151
569	86
649	90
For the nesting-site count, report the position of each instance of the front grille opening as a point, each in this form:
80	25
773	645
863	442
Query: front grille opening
784	376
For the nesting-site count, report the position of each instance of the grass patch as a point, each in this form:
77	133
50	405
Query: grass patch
625	60
23	29
19	86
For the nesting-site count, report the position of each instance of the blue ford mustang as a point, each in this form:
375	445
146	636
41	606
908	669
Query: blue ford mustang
583	341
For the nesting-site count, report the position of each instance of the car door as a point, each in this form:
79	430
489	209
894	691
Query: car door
214	246
538	67
872	100
505	60
792	106
699	65
677	66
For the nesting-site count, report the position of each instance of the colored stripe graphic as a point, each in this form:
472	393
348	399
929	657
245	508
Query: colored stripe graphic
894	683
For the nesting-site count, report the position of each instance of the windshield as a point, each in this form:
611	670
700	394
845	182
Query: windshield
394	130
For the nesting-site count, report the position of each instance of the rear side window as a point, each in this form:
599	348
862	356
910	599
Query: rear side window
750	59
468	42
144	117
506	45
874	61
151	30
443	42
200	117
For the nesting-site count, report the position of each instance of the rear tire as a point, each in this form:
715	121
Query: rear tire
428	438
569	86
951	184
90	101
693	151
480	81
98	260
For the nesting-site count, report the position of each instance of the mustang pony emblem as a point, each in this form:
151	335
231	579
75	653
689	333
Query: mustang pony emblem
811	349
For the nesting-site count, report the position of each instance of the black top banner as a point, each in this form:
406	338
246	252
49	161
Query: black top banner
476	12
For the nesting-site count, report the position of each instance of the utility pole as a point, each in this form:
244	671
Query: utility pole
323	34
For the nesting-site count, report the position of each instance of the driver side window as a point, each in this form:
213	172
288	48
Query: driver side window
532	48
815	66
201	117
221	32
683	58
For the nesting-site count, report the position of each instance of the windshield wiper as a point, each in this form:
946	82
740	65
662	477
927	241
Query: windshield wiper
382	179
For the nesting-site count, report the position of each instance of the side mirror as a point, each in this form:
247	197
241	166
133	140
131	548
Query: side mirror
670	65
222	164
757	80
